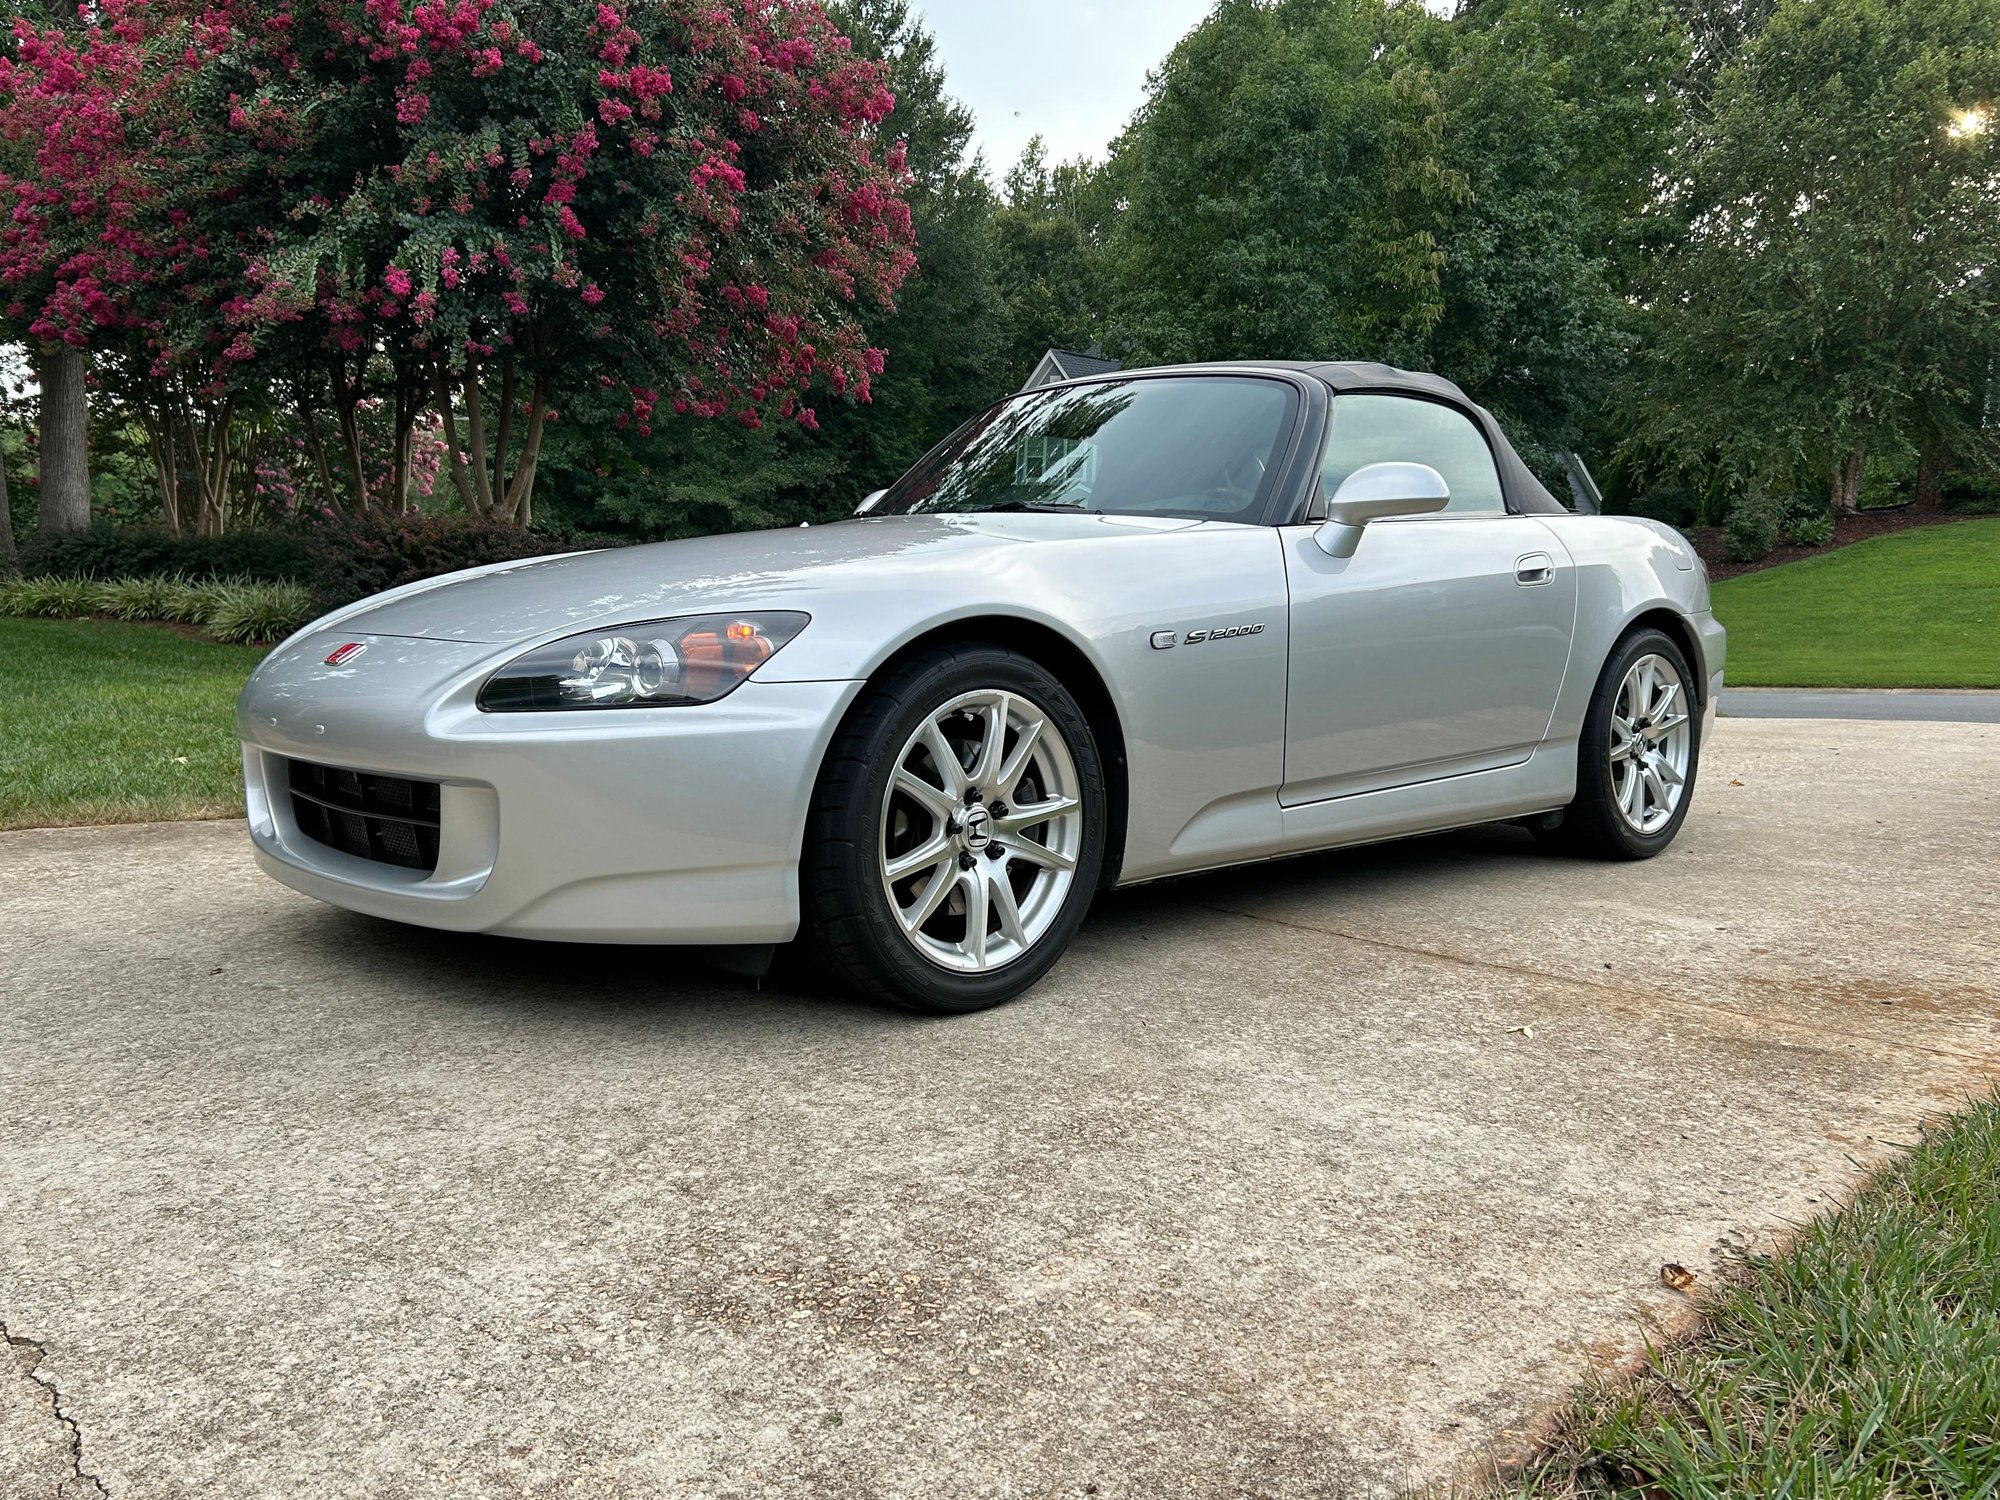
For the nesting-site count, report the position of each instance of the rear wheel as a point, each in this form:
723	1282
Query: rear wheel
957	831
1637	758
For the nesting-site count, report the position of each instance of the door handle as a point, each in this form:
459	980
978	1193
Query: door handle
1536	567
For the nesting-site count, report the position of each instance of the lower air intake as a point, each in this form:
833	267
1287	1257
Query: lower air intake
389	819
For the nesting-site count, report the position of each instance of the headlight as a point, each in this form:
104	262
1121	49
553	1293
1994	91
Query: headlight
696	659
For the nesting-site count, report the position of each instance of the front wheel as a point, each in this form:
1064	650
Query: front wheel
957	831
1637	758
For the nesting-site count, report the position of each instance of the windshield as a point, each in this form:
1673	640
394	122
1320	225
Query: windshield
1202	446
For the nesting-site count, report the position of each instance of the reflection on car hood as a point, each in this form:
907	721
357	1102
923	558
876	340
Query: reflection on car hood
762	569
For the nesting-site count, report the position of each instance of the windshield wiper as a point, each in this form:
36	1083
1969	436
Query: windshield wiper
1038	507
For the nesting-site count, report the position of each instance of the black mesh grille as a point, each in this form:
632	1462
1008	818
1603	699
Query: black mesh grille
385	818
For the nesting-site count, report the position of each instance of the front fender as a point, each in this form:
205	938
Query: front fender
1204	724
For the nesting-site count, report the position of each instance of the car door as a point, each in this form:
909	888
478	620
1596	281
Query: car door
1439	647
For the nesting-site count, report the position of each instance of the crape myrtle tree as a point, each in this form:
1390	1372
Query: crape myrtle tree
945	337
948	331
498	212
87	156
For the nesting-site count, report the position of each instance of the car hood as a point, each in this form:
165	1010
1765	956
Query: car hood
789	569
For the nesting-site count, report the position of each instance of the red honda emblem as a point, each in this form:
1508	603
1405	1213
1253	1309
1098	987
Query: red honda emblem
340	656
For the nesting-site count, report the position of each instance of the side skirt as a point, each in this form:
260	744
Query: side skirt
1544	782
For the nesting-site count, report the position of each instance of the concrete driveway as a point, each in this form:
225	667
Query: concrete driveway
1325	1177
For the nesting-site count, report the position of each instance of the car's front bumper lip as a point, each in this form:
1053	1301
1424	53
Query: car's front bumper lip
679	825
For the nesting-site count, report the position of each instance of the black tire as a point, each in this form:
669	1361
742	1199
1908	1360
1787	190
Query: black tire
848	913
1592	825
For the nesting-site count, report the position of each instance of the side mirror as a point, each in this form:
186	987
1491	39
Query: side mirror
1374	492
868	502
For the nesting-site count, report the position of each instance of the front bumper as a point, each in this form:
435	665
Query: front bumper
673	825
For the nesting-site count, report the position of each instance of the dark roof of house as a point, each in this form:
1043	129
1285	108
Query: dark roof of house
1069	364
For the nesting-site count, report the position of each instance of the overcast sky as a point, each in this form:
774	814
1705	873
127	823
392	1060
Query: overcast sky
1071	70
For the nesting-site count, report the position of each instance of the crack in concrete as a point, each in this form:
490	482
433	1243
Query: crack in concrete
68	1423
1526	971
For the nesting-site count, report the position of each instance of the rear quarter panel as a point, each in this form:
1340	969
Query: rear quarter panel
1628	567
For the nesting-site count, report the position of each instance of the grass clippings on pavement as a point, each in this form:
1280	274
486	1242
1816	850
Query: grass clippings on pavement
103	722
1863	1361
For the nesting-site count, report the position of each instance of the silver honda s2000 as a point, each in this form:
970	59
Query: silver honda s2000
1108	631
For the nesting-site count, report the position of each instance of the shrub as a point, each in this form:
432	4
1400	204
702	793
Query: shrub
1751	530
356	558
187	601
1669	502
51	597
135	598
1970	494
240	610
1811	531
148	551
155	576
249	613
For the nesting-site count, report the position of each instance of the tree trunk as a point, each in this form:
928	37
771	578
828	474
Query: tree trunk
347	397
65	442
461	476
1931	464
10	561
308	414
1847	482
489	478
210	431
157	421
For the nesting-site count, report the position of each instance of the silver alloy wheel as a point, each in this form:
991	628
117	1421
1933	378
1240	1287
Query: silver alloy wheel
1651	737
981	831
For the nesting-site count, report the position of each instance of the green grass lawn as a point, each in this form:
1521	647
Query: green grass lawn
1916	609
1864	1361
109	723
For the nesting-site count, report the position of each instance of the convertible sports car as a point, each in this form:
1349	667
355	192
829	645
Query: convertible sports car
1108	631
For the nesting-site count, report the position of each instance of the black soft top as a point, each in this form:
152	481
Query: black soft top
1523	491
1518	483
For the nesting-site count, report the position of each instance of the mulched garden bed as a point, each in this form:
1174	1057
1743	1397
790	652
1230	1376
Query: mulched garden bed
1847	530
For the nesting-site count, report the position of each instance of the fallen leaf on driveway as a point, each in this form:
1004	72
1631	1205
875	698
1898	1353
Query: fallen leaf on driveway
1676	1278
1737	782
1526	1031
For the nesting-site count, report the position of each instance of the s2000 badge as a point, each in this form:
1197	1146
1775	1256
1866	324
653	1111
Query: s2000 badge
1226	633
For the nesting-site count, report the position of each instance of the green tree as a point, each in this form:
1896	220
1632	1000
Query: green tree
1835	292
1560	122
1050	257
1287	189
1350	179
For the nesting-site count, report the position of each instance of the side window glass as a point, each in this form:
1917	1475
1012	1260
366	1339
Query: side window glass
1369	429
